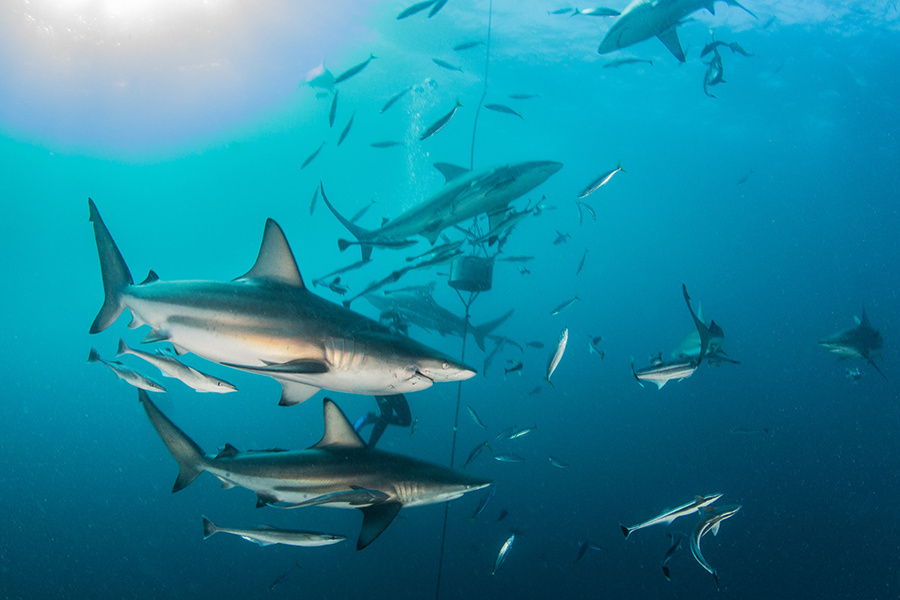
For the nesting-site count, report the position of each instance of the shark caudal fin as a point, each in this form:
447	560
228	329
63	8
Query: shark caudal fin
362	235
702	329
737	4
186	453
113	270
209	528
482	331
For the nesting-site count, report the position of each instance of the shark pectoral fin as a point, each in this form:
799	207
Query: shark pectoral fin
669	37
715	529
376	519
339	433
433	233
661	384
275	261
294	393
264	499
155	335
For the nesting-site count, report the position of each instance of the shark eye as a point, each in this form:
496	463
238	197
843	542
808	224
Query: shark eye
445	365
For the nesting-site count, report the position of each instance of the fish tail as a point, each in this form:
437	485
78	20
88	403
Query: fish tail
113	270
94	356
484	330
209	528
620	167
625	531
184	450
123	348
362	235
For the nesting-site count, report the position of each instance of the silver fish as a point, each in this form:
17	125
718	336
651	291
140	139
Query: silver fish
126	374
312	157
393	99
354	70
440	123
415	8
502	108
266	536
332	112
346	130
600	181
475	417
564	305
558	354
504	550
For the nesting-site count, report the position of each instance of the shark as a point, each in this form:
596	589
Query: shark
465	195
690	346
267	322
340	471
422	310
689	508
861	341
710	336
644	19
661	373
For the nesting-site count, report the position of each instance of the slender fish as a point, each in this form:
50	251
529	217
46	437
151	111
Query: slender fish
266	536
600	181
564	305
393	99
312	205
558	354
332	112
688	508
676	544
475	452
354	70
440	123
504	550
510	458
386	144
502	108
445	65
482	504
475	417
312	156
521	96
558	463
126	374
581	264
436	8
415	8
468	45
172	367
346	129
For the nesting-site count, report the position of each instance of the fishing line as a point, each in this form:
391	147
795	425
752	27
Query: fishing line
487	62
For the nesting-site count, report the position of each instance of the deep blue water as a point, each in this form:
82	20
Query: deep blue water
189	140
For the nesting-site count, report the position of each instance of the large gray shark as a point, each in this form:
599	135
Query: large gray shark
862	341
422	310
466	195
267	322
339	471
644	19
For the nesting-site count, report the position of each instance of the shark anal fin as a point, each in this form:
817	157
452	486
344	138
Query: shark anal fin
155	335
294	393
669	37
376	519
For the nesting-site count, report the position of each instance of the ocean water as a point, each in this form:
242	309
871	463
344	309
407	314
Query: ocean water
774	202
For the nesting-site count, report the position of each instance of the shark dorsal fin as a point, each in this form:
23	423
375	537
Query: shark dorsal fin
449	171
864	319
339	432
228	452
669	37
151	277
275	261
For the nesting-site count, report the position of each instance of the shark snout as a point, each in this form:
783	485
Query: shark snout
444	369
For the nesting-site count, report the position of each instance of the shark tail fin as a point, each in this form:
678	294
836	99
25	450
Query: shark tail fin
363	235
482	331
114	271
184	450
877	368
625	531
209	528
737	4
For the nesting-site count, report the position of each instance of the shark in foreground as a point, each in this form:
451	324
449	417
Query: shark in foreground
695	505
644	19
710	524
862	341
267	322
466	195
340	471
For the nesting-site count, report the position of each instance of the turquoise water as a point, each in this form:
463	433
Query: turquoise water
773	202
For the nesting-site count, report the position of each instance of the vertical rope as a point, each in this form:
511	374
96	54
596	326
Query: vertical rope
487	62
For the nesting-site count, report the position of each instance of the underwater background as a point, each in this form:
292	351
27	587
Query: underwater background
774	202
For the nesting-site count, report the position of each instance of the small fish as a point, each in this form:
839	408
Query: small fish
710	523
483	504
386	144
170	366
361	212
535	344
854	375
676	544
516	368
502	108
504	550
468	45
393	99
744	179
415	8
564	305
346	130
581	264
615	64
475	417
521	432
537	390
561	238
503	514
126	374
600	11
558	354
394	244
661	373
503	434
558	463
440	123
336	287
436	8
312	156
586	207
413	426
510	458
517	258
281	578
696	505
524	271
445	65
600	181
312	205
561	11
475	452
594	346
266	536
582	550
354	70
332	112
521	96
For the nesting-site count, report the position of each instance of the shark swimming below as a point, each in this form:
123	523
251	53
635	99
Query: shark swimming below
466	194
268	322
340	471
861	341
644	19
